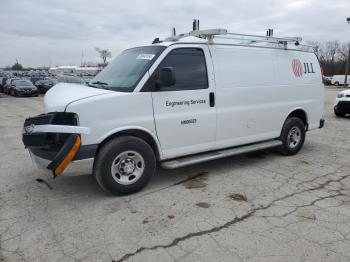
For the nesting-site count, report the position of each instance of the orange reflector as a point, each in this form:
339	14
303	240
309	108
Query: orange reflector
69	157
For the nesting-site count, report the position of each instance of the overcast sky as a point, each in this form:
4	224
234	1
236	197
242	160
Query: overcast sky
61	32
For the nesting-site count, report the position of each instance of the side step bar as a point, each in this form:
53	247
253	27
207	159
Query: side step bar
190	160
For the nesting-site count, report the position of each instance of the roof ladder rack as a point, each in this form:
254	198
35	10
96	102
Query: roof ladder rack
220	33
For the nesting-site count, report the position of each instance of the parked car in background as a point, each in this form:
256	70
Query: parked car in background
8	84
342	103
3	78
21	87
2	83
34	79
70	79
87	79
327	80
45	84
339	80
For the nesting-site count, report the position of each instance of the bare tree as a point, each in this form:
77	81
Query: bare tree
331	50
104	54
343	51
319	49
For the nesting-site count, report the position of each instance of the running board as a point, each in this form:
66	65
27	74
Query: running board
190	160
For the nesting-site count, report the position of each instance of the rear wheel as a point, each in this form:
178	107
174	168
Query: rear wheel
292	136
336	83
124	165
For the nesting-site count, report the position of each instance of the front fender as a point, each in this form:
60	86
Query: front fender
125	129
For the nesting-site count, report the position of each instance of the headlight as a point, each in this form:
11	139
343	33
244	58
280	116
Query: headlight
340	95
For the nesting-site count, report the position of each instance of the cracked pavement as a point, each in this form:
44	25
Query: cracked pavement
296	208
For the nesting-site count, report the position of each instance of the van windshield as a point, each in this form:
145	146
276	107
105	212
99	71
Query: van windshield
125	71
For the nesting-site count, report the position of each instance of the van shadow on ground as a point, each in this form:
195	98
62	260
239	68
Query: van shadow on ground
67	186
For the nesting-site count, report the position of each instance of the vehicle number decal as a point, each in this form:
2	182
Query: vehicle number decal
189	121
145	56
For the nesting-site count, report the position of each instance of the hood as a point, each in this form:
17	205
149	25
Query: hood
345	92
62	94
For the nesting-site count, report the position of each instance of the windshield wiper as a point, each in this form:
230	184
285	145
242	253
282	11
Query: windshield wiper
99	83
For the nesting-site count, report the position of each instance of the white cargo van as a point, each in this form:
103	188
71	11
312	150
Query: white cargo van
191	98
339	80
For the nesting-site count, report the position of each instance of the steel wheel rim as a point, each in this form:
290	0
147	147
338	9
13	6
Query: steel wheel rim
294	137
127	167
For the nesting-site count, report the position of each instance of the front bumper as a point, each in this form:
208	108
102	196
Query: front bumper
27	92
75	168
54	141
342	106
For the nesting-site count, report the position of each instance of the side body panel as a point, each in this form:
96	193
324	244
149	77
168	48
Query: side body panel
256	89
305	91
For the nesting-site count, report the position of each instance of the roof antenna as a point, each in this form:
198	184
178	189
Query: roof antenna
195	25
269	32
173	32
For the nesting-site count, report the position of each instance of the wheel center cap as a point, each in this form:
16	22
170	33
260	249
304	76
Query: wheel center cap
127	166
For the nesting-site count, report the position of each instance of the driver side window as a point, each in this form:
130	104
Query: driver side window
189	68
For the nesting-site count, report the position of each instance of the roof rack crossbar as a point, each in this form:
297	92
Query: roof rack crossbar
270	38
251	40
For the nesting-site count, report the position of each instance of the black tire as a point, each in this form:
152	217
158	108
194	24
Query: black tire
339	114
292	125
11	92
108	155
336	83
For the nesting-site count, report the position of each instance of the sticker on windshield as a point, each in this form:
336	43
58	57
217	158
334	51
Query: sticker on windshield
145	56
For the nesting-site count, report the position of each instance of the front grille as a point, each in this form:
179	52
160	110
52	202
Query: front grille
39	120
344	106
51	141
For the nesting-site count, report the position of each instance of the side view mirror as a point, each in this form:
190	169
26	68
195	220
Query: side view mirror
166	77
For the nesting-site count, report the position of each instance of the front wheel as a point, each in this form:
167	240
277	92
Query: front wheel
292	136
124	165
337	113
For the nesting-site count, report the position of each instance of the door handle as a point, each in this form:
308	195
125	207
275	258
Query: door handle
211	99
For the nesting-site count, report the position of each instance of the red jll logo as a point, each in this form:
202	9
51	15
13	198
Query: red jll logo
297	68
